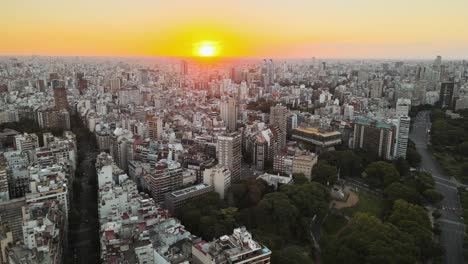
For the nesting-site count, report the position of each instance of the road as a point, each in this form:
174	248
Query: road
83	235
451	225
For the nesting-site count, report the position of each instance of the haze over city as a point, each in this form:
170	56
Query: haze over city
280	29
233	132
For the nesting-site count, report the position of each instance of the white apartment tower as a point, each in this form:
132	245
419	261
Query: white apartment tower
229	154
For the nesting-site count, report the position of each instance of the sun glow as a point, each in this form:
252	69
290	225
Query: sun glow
206	49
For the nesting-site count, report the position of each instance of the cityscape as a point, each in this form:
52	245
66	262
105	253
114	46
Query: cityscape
233	138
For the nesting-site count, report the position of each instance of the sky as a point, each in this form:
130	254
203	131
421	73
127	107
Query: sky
239	28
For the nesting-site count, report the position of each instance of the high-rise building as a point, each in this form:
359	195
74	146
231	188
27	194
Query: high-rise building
278	117
229	154
446	94
228	110
184	67
60	97
404	123
375	137
154	126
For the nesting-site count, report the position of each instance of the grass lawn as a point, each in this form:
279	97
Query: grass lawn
334	223
368	203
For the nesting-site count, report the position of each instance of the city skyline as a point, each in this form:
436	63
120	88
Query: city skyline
296	29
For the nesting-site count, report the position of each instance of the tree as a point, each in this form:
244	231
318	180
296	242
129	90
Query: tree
300	179
413	220
366	239
311	198
463	149
433	196
397	191
412	155
277	214
291	255
402	166
324	173
381	174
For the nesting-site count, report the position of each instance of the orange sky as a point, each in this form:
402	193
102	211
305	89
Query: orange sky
250	28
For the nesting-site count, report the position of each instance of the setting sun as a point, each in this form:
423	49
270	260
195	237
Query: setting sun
206	49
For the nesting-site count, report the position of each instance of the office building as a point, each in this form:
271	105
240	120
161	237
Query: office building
375	137
316	139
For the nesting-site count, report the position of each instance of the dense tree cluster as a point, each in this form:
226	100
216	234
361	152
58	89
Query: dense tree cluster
405	237
449	138
282	220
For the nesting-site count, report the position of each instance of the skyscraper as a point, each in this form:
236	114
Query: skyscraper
446	94
184	67
228	110
60	96
229	154
404	123
278	117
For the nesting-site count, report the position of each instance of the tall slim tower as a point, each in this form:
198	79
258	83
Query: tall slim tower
229	154
184	67
278	117
60	96
404	123
228	110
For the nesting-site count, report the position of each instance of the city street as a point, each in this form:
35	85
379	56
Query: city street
451	225
84	236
